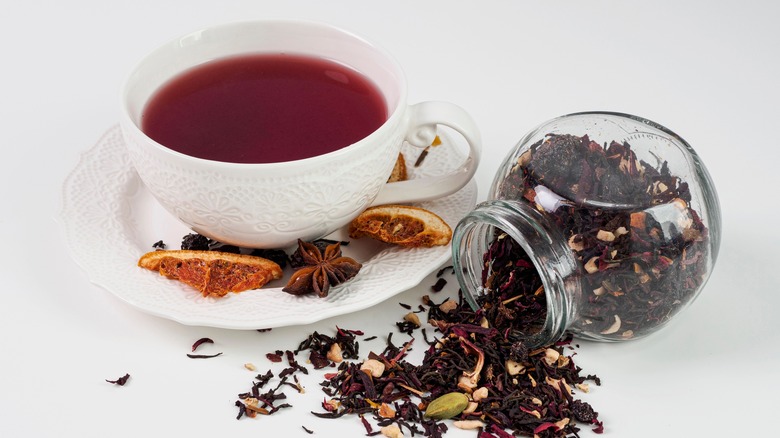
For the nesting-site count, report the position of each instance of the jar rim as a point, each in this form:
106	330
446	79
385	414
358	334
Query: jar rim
547	249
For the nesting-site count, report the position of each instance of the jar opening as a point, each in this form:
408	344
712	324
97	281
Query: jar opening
512	285
514	266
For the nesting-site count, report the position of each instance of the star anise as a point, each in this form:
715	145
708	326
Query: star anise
321	270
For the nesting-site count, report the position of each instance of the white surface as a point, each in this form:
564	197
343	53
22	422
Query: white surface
111	219
707	70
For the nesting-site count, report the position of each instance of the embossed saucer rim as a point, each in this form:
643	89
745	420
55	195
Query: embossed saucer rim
110	220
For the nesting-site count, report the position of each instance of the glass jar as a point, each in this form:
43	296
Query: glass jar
603	225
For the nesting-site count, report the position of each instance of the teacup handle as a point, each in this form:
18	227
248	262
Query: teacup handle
424	117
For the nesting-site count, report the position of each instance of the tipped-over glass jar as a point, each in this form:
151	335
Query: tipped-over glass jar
603	225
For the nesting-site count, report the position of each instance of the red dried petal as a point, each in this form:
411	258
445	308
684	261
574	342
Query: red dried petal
120	381
200	342
545	426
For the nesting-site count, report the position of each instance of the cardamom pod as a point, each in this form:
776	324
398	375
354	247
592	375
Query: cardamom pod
447	406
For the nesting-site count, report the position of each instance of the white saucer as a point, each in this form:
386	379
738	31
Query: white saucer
110	220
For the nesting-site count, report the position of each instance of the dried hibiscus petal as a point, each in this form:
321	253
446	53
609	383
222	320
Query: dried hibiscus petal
120	381
200	342
275	356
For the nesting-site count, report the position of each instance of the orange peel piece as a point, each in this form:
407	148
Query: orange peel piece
399	172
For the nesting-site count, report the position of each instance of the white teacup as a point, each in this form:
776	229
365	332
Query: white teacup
271	205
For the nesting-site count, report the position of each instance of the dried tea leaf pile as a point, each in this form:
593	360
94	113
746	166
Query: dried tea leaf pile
473	374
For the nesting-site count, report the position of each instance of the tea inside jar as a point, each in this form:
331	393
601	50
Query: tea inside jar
264	108
640	265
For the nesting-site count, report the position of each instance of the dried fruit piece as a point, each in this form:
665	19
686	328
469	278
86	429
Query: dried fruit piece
412	318
401	225
334	353
551	356
471	408
213	273
386	411
468	424
392	431
448	306
513	368
479	394
399	170
373	367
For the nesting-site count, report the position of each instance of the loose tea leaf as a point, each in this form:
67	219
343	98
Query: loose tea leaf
254	402
203	356
200	342
277	256
441	271
320	345
196	242
439	285
120	381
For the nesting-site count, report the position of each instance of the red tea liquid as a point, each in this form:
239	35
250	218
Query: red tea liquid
264	108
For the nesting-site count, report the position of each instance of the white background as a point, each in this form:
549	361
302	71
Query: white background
707	70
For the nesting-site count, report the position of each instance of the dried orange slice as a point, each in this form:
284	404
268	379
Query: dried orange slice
401	225
213	273
399	170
